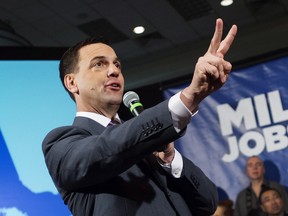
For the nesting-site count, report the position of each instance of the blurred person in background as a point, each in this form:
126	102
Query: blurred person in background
271	202
247	200
224	208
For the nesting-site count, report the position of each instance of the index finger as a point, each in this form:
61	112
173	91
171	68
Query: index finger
226	43
216	39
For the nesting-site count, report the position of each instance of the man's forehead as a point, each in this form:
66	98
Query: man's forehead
254	160
97	49
270	193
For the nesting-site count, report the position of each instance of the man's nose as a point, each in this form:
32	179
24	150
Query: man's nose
113	71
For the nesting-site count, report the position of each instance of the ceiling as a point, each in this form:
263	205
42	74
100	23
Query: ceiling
177	31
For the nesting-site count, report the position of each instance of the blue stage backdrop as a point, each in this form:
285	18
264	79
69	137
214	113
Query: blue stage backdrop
33	102
248	116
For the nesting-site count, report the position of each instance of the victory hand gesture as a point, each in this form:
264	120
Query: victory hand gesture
211	70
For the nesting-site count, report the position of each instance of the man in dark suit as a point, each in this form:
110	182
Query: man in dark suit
128	169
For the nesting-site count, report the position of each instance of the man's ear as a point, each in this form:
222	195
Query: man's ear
70	83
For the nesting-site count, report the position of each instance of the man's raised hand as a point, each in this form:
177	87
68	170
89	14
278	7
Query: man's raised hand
212	69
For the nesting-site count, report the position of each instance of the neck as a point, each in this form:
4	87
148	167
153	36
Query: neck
109	112
257	182
256	186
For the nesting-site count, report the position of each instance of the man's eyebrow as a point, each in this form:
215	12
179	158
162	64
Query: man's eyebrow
94	59
101	58
97	57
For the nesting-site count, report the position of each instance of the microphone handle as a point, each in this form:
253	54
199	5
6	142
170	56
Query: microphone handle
136	108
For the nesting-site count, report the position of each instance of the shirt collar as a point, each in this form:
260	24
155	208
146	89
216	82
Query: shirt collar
101	119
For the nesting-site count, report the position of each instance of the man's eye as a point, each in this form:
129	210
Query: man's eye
118	65
99	64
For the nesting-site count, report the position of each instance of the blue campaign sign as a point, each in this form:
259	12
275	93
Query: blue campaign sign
247	116
33	102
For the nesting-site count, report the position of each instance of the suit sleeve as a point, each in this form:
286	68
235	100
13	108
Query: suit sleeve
76	158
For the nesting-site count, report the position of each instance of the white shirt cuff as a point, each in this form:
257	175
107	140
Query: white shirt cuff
181	115
177	165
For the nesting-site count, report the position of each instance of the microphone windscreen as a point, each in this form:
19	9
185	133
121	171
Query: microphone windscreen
129	97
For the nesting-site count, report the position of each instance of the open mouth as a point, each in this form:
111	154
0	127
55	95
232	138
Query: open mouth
114	86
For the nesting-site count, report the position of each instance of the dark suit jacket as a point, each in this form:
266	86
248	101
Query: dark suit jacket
101	171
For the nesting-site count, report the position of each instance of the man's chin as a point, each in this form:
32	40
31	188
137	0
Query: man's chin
115	101
114	97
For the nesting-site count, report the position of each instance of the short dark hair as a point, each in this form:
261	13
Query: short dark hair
69	60
265	189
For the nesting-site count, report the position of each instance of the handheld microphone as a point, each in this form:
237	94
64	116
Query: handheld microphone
132	101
